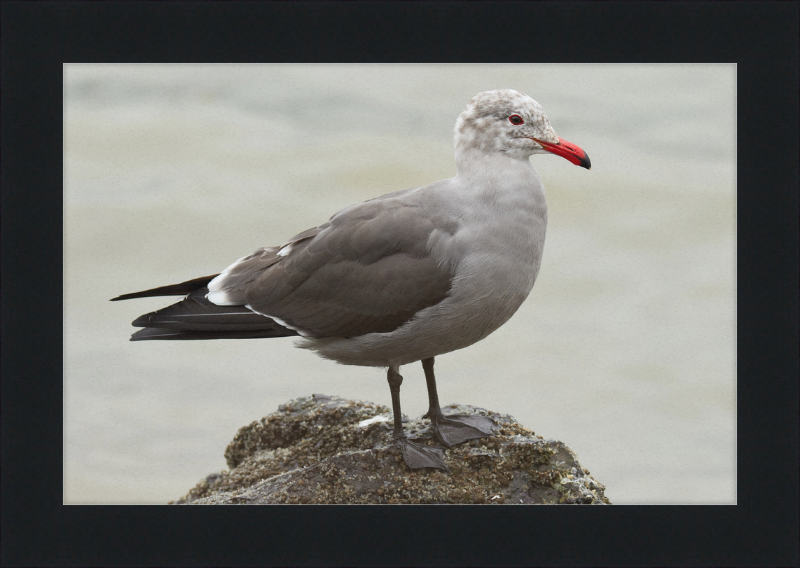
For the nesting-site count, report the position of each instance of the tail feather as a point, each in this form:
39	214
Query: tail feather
195	317
181	289
196	313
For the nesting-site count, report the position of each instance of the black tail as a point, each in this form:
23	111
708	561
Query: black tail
181	289
195	317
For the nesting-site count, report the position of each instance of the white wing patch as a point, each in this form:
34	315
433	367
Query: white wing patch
285	250
221	298
216	295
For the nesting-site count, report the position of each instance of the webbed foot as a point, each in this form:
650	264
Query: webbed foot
457	428
417	457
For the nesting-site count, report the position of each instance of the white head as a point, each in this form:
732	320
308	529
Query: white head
511	122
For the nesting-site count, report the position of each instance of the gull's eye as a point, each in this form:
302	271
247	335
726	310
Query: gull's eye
515	119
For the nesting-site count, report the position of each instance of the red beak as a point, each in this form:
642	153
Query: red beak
568	150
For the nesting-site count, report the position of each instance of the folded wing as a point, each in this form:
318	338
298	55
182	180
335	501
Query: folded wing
367	270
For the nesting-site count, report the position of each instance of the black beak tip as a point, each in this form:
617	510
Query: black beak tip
586	162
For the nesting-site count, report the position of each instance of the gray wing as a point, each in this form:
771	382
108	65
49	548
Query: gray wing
367	270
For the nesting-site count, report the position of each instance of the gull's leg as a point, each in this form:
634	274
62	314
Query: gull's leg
456	428
414	455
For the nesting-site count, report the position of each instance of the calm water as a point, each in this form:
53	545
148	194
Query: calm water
625	349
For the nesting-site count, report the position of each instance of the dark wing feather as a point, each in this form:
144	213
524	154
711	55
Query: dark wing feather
195	317
160	333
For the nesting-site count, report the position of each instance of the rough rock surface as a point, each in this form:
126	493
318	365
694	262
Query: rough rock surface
324	449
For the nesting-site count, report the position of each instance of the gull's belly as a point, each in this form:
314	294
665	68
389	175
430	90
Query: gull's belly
494	275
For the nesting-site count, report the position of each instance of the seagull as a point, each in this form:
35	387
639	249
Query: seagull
400	278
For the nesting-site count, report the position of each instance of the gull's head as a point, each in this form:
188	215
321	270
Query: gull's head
511	122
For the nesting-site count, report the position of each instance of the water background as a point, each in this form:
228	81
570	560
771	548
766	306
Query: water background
625	350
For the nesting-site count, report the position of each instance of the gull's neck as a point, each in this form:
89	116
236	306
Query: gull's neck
475	164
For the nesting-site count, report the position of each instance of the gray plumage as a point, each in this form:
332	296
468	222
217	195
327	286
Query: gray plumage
405	276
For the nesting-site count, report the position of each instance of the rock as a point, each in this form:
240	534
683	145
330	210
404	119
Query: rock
324	449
